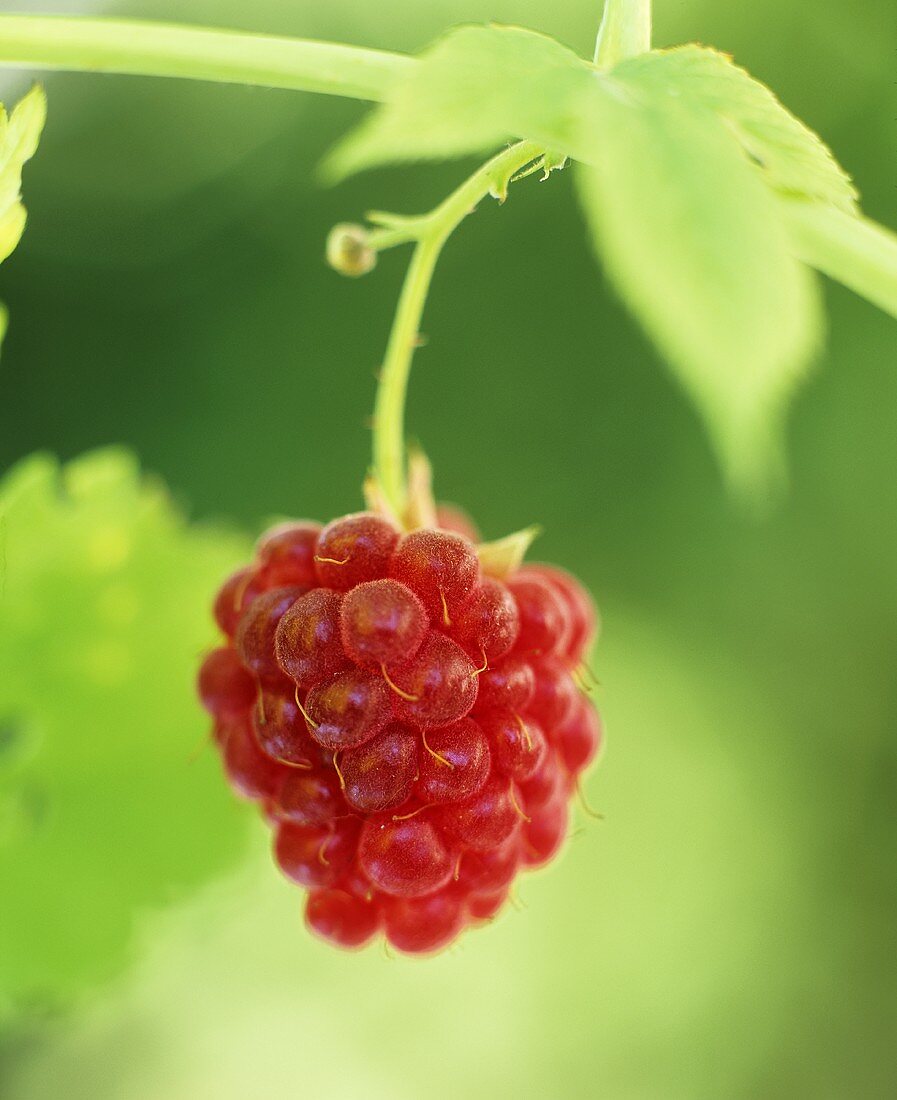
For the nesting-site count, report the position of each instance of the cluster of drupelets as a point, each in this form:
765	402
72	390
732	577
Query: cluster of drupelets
412	729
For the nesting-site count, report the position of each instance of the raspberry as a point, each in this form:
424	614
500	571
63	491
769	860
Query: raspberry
489	623
485	820
490	871
354	549
252	774
280	730
286	555
437	687
254	640
316	855
518	746
341	918
579	739
308	798
582	617
225	688
509	686
544	834
485	907
421	925
347	709
381	773
543	785
405	858
555	693
441	567
545	625
410	728
456	763
307	641
382	623
235	595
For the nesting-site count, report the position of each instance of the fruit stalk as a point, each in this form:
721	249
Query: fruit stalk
430	233
196	53
625	31
846	247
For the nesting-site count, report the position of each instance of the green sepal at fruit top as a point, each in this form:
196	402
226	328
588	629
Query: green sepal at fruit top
111	804
499	558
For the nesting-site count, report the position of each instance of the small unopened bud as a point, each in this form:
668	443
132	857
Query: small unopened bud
348	250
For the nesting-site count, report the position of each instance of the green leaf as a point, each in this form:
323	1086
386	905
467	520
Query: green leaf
690	232
111	801
19	135
474	89
792	157
693	242
480	86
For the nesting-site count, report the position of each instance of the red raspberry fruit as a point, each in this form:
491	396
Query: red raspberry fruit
286	554
456	763
225	688
410	728
382	622
379	774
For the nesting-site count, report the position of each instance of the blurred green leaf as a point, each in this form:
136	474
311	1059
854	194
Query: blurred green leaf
693	242
792	157
110	799
19	135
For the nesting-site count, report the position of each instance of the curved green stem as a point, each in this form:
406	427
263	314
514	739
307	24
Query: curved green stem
853	250
389	407
625	31
197	53
431	231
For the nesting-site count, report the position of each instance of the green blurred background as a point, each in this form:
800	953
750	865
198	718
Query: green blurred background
729	929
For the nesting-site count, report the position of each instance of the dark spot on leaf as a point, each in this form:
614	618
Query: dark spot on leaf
11	730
